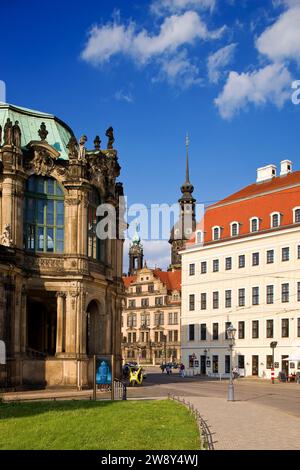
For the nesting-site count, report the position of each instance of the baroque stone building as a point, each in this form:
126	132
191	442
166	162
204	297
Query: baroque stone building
61	286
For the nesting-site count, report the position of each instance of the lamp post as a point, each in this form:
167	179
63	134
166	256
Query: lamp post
273	346
230	336
165	347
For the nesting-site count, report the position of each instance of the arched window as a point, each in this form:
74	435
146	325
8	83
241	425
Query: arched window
275	219
199	236
216	233
296	211
96	247
234	229
254	224
44	215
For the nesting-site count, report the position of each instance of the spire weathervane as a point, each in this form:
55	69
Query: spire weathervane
187	144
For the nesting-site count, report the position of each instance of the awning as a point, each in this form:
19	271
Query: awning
294	356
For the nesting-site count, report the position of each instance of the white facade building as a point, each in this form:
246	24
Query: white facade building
246	272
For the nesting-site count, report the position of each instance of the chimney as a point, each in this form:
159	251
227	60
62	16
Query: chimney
265	173
286	167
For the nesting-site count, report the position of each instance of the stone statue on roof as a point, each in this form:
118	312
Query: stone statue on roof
82	142
8	132
43	131
110	134
16	135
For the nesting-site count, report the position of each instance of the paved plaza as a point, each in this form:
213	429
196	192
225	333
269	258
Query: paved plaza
264	416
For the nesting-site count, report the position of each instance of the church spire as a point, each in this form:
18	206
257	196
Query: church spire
187	188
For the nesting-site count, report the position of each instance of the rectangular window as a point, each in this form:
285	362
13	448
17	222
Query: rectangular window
191	332
242	295
192	270
255	259
298	291
255	329
203	301
228	298
228	264
203	330
270	294
285	254
285	328
134	337
254	225
269	361
215	300
298	327
203	267
170	336
139	290
215	265
298	249
227	364
159	301
192	302
215	364
285	296
159	319
151	288
270	256
241	330
241	362
270	329
170	316
175	318
227	325
215	331
175	336
129	337
242	261
131	303
255	295
145	302
156	336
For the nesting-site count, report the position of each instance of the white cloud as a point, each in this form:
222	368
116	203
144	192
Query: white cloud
122	95
281	41
179	70
270	84
219	60
177	30
159	7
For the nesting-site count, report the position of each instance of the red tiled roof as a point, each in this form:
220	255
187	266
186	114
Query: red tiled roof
172	280
128	280
257	200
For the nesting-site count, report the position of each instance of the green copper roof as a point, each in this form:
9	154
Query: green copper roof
30	121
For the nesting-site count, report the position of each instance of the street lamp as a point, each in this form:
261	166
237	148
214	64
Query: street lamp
231	336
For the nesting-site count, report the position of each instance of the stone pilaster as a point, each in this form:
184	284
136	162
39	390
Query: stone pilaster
60	334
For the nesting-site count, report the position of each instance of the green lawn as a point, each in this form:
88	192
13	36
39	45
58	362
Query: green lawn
129	425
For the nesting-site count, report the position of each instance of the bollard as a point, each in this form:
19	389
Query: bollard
273	375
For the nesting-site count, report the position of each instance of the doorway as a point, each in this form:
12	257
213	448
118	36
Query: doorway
285	365
203	365
255	365
41	328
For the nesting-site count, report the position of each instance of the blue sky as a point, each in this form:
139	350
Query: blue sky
219	69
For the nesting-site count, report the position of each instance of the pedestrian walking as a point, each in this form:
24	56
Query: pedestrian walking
182	370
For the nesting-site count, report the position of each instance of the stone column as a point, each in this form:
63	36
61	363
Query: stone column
71	323
23	320
60	334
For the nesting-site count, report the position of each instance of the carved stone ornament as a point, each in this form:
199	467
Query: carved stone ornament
16	135
73	148
45	263
72	201
110	134
8	132
97	142
82	149
43	163
6	239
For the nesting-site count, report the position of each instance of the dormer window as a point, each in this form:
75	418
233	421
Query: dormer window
199	236
235	229
296	211
216	232
254	224
275	219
